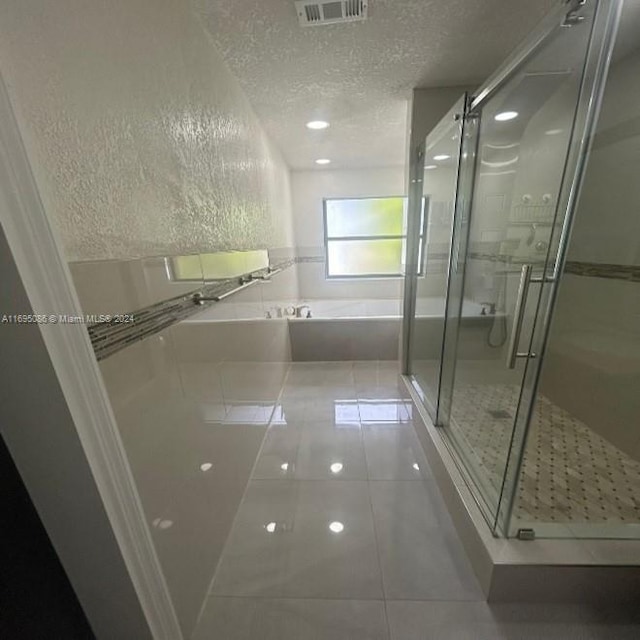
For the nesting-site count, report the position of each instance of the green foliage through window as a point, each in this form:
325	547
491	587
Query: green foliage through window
365	237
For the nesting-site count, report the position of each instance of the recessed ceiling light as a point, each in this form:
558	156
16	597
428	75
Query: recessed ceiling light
317	124
284	466
506	115
323	161
430	166
205	466
442	156
336	527
336	467
270	527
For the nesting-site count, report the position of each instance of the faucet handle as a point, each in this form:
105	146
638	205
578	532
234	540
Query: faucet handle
488	306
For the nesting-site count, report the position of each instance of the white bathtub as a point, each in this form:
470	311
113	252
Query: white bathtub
366	329
326	309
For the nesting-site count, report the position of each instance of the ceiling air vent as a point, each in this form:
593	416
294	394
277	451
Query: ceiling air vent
312	13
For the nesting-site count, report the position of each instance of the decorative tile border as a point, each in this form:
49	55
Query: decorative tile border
108	338
506	259
628	272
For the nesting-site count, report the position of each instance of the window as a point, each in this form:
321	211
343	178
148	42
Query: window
216	266
366	237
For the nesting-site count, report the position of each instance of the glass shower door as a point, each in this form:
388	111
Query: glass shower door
434	205
585	425
526	129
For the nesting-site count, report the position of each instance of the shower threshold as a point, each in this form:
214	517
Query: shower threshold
543	569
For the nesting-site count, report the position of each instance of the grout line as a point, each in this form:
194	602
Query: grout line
334	479
376	539
208	593
373	522
346	599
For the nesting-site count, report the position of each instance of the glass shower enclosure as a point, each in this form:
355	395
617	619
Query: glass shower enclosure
495	347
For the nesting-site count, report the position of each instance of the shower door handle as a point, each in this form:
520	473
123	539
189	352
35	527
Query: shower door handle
518	317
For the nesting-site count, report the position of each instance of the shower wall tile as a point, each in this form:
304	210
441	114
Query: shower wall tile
607	227
592	363
241	341
283	287
108	286
123	286
314	284
592	368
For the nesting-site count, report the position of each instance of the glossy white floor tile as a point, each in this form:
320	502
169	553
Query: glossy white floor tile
483	621
331	452
385	408
313	451
309	379
302	539
279	454
368	374
329	407
289	501
420	554
255	558
267	619
393	452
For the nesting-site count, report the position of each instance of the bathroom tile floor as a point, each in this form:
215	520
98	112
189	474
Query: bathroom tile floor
342	533
570	474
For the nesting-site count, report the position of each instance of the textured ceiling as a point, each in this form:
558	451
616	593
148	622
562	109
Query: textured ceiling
359	76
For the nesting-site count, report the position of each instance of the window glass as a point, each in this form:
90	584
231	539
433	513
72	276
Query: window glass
365	237
365	257
365	217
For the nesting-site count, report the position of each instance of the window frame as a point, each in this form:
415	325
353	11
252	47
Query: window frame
370	276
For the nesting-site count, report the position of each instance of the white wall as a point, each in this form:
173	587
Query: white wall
141	140
309	188
426	108
39	431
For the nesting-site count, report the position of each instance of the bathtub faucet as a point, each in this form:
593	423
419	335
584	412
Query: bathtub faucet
303	311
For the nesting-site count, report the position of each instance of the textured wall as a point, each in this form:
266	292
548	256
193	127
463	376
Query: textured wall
359	75
142	141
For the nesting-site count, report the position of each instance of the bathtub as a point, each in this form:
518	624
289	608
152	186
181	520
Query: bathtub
365	329
369	329
327	309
